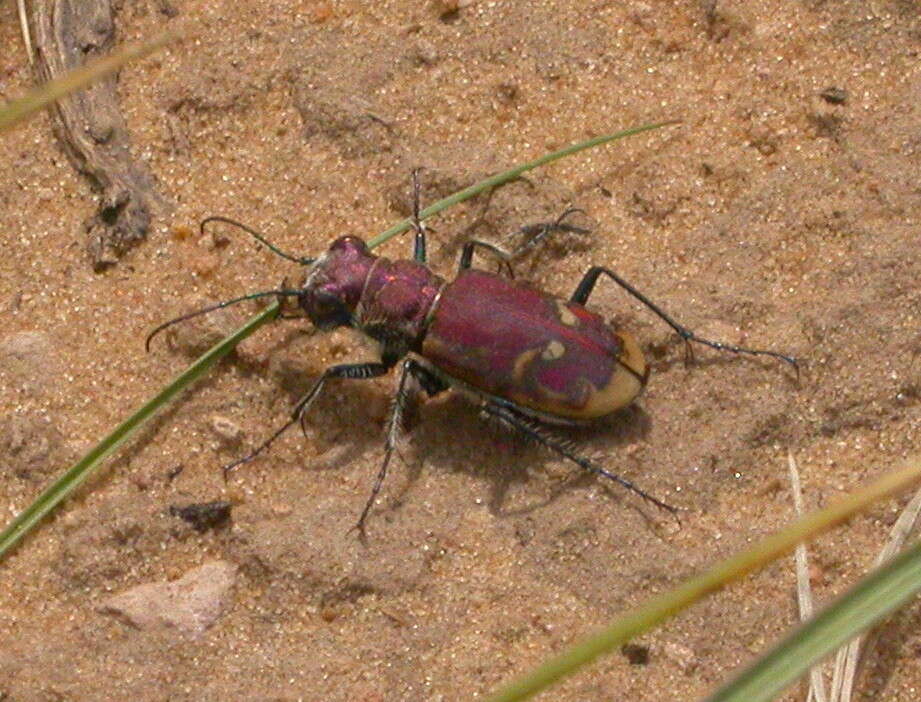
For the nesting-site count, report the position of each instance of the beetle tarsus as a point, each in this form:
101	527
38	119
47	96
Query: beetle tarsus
227	469
688	336
545	229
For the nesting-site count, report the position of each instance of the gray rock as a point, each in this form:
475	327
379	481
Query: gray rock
31	446
190	605
28	361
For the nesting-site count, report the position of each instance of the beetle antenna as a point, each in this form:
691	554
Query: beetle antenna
218	306
303	260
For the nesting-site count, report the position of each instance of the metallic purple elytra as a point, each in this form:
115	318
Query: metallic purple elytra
527	357
552	357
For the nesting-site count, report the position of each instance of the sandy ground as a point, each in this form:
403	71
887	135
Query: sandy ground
773	217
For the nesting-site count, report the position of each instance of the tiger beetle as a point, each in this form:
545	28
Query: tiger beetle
528	358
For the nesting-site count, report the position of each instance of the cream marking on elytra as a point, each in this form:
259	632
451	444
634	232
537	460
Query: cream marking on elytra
566	315
522	363
553	350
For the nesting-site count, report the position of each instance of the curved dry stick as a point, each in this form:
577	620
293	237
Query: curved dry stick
67	34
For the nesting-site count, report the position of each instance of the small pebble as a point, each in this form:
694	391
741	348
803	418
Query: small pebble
683	656
28	361
833	95
30	445
635	654
205	515
226	430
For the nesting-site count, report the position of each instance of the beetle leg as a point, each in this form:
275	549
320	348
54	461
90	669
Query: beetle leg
419	243
540	231
358	371
466	258
538	433
430	382
401	400
537	233
587	285
395	423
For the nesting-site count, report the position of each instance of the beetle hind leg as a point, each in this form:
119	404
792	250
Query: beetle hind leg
539	434
587	285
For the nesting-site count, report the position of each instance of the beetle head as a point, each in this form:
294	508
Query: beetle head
334	283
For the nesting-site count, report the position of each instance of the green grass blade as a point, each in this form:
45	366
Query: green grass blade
879	593
80	471
42	96
84	468
511	174
664	606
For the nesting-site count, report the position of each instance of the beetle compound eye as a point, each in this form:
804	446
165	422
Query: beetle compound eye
325	302
327	310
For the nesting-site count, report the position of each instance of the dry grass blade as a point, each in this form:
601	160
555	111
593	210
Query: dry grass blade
24	25
44	95
664	606
848	658
847	662
803	589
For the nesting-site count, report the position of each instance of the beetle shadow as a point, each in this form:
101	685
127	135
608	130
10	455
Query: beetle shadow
349	426
597	441
342	419
505	457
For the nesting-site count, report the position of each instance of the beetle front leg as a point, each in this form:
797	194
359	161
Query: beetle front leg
587	285
394	426
352	371
419	242
466	259
539	434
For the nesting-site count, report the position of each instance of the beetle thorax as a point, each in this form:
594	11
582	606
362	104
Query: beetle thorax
397	302
390	301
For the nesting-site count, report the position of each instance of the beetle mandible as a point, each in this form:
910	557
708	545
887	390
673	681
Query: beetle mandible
529	358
